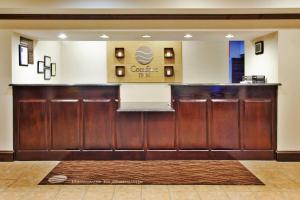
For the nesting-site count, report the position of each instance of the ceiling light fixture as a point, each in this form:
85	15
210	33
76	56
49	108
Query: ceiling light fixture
62	36
229	36
187	36
146	36
103	36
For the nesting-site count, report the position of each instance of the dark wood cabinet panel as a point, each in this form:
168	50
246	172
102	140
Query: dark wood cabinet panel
225	124
81	122
65	124
160	130
192	123
97	124
129	131
32	120
257	124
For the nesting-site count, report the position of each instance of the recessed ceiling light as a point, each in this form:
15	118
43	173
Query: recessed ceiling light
103	36
62	36
229	36
187	36
146	36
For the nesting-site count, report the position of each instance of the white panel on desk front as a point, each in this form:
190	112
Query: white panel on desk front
145	93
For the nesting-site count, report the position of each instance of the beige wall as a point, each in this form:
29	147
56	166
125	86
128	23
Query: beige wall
83	62
289	92
266	63
205	62
6	117
29	74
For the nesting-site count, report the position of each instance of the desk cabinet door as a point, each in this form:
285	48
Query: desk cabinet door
258	124
97	124
192	124
129	131
65	124
32	125
160	130
225	132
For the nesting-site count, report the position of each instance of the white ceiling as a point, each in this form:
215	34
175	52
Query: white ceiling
119	35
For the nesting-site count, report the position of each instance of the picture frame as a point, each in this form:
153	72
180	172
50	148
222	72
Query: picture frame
47	61
47	73
23	55
53	69
40	67
259	47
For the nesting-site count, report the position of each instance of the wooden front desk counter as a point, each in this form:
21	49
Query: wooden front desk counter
210	121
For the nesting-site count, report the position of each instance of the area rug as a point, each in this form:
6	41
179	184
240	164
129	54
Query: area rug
158	172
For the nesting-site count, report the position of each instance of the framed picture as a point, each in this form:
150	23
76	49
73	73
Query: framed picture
47	61
259	47
23	55
47	73
40	67
53	69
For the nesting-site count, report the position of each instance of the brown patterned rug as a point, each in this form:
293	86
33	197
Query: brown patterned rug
173	172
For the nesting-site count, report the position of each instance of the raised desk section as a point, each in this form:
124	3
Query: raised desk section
211	121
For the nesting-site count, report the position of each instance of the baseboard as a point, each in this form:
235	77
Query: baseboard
288	156
6	156
145	155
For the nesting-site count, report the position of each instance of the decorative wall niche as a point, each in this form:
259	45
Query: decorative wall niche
119	52
169	71
169	53
120	71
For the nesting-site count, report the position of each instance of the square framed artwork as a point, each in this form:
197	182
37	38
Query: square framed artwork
23	55
47	61
47	73
40	67
53	69
259	47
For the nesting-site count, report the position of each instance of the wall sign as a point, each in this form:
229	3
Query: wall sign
144	61
144	55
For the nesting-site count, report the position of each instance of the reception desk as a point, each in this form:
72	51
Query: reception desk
205	121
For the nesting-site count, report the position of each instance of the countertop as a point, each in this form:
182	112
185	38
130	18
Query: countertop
145	107
226	84
67	85
172	84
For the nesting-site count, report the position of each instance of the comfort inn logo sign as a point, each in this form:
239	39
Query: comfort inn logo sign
143	55
143	61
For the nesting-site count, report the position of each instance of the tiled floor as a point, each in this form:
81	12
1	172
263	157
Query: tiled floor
18	181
